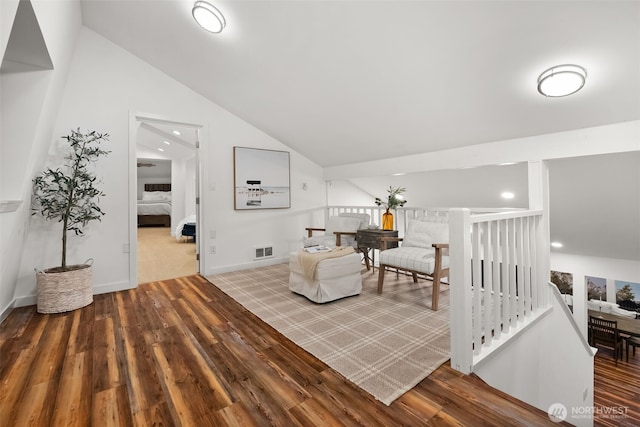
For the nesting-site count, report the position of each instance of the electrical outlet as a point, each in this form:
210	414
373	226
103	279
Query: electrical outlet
212	249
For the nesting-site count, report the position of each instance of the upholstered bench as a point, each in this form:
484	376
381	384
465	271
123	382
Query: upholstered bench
334	278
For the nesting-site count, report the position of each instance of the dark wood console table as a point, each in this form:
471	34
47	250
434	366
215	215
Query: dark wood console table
368	240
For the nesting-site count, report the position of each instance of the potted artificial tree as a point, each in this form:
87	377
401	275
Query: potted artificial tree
69	196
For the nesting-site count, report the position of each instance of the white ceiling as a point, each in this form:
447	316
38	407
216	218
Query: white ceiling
350	81
154	169
158	141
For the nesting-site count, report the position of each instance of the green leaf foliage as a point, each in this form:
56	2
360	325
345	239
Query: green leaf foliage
394	199
69	194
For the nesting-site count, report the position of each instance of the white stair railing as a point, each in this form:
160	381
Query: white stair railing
498	286
401	215
496	252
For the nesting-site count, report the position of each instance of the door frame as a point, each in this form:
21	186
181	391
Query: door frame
135	119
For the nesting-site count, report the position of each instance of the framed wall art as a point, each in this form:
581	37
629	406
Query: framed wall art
628	295
261	179
596	288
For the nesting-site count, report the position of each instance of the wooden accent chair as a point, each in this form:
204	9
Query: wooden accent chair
605	333
424	251
632	342
340	230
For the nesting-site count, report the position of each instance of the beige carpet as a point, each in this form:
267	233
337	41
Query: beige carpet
162	257
385	344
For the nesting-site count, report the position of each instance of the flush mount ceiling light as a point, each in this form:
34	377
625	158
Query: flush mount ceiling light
208	17
561	80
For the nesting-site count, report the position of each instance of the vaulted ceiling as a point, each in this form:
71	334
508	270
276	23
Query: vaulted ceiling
350	81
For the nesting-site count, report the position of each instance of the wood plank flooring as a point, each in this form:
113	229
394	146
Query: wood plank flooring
616	390
181	352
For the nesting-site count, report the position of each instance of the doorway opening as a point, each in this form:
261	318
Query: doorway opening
165	208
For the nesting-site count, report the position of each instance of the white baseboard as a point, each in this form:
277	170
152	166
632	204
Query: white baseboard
5	311
105	288
97	290
25	301
248	266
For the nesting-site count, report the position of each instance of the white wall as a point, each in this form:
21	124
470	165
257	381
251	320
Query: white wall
616	138
190	188
346	193
475	187
8	10
582	266
105	84
180	184
29	106
546	364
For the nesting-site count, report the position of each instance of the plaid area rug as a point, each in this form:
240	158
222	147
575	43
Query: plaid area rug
385	344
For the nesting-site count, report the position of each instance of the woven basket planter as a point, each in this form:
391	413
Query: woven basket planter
64	291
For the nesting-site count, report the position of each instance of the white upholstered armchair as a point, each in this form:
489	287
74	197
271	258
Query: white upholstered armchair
340	230
424	251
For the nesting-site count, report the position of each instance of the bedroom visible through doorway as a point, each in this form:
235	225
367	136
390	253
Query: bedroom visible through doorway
166	200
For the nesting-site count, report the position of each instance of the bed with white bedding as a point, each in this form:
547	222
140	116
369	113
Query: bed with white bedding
155	207
151	207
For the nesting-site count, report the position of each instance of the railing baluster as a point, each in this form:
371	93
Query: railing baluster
495	280
513	263
520	271
504	276
477	288
534	263
486	267
527	267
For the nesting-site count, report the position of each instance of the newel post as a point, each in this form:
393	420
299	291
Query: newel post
460	291
538	174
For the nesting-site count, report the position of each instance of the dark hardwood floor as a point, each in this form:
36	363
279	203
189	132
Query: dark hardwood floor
616	390
180	352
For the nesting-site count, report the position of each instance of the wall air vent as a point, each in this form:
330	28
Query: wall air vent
263	252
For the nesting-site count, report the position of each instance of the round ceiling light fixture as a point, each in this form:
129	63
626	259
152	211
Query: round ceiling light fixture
208	17
562	80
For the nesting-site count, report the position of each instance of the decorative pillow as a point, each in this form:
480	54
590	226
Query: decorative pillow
363	217
341	223
423	234
156	196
